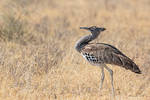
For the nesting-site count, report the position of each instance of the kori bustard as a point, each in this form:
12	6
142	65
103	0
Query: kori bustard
100	54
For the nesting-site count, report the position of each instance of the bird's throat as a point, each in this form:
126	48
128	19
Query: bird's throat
84	41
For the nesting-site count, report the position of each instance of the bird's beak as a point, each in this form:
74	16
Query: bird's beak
84	28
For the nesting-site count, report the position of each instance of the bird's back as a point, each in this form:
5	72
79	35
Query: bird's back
104	53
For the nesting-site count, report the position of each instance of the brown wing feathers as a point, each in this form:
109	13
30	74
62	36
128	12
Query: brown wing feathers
110	55
125	62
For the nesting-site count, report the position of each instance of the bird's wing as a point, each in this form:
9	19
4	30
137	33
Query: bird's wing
110	55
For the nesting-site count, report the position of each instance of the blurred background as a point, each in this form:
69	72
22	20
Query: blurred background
37	56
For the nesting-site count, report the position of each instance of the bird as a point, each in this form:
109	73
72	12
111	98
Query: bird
101	54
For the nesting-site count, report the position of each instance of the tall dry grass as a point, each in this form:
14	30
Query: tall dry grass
37	56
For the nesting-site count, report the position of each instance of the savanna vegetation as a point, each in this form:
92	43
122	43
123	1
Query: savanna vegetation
37	56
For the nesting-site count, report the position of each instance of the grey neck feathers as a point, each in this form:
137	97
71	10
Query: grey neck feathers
84	41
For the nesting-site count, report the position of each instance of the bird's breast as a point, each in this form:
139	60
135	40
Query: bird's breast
92	59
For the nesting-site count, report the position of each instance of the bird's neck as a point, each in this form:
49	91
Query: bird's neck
84	41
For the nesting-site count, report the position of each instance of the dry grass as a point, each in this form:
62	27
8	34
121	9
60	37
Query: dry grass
37	56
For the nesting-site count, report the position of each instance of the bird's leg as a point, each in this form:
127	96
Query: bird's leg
102	77
111	74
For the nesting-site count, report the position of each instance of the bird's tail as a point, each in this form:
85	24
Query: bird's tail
125	62
129	64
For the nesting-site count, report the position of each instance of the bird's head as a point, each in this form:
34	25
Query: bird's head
94	29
